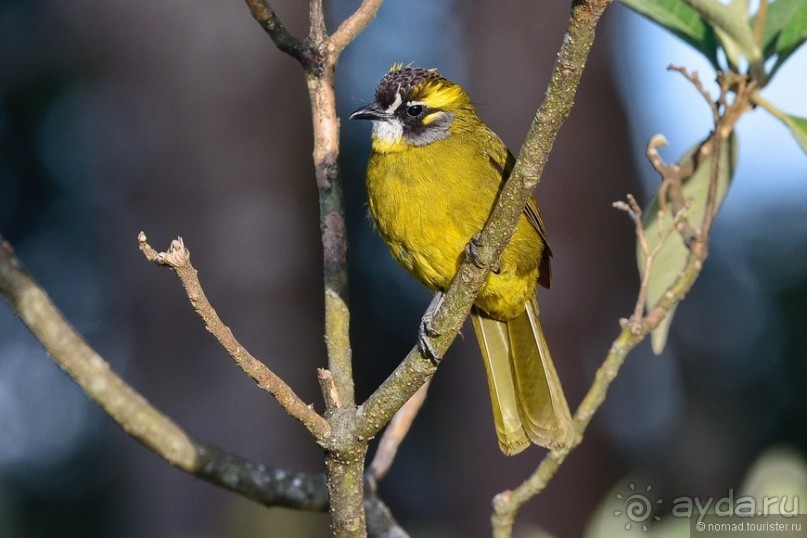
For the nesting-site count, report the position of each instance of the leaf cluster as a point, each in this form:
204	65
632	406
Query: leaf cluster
734	39
746	49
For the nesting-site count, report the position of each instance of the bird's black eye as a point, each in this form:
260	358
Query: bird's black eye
414	111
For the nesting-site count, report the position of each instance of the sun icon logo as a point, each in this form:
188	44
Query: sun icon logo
638	507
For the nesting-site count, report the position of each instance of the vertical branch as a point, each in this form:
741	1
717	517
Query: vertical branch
724	125
317	32
346	450
329	182
344	463
332	225
318	55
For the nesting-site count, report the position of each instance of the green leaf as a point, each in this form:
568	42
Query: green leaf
797	126
672	255
733	50
793	34
683	21
735	31
780	14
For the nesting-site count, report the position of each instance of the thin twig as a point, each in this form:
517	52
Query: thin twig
354	25
657	142
507	503
329	390
696	81
635	322
396	432
178	259
635	212
713	148
671	194
670	174
269	21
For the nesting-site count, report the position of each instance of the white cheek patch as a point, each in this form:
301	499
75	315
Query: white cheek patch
389	131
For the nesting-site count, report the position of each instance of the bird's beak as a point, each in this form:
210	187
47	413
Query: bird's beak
370	112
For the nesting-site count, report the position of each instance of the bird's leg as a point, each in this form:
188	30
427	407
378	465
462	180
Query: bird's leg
426	331
472	254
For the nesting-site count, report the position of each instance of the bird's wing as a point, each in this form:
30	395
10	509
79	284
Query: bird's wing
503	161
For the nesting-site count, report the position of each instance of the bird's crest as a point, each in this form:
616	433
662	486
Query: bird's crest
419	84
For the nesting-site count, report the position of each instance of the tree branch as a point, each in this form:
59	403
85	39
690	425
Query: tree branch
448	319
396	432
345	450
279	487
133	413
317	33
178	259
269	21
334	234
671	192
128	408
319	60
263	484
507	503
138	418
354	25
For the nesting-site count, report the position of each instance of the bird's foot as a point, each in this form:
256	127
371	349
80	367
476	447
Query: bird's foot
426	330
425	334
472	253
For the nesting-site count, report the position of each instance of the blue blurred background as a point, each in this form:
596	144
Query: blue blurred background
180	118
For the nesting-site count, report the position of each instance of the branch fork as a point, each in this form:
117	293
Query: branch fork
178	258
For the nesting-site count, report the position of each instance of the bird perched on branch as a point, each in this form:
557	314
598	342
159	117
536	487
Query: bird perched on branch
434	175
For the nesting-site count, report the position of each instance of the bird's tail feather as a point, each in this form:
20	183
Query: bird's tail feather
526	394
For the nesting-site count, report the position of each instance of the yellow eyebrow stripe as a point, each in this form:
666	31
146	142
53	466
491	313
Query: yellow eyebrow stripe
439	95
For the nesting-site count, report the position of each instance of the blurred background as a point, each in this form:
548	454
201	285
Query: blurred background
181	118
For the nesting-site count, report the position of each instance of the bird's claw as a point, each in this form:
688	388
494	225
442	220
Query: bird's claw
425	334
472	253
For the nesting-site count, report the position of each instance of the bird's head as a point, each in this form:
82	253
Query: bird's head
413	107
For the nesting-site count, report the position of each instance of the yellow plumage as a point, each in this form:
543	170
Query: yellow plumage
432	180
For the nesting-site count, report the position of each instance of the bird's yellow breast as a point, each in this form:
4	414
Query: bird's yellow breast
428	201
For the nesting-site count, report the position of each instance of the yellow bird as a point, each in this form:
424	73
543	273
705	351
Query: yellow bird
434	175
